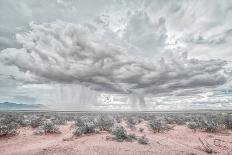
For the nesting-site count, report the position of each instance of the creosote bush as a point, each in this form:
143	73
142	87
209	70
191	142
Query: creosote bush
77	132
47	127
8	125
59	120
8	129
81	121
210	126
120	134
207	125
50	127
158	125
85	125
104	122
143	140
131	137
192	125
36	121
86	128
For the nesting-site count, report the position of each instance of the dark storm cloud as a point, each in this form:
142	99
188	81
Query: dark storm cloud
71	53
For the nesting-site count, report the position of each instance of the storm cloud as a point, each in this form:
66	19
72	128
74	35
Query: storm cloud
73	53
141	50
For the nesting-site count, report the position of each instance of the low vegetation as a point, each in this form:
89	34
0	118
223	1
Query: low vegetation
9	129
48	122
87	128
120	134
47	127
104	123
50	127
143	140
8	126
158	125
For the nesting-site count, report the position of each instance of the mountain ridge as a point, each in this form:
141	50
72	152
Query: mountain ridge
19	106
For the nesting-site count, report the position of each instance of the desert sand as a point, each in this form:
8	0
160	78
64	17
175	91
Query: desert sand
178	141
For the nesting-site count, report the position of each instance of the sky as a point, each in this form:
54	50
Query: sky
117	54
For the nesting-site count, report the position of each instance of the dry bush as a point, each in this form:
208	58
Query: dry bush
143	140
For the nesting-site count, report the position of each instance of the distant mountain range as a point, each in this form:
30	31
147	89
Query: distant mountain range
16	106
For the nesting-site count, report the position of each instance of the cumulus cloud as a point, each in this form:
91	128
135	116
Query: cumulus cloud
72	53
133	48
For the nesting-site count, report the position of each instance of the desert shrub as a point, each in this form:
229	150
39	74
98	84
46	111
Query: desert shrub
8	129
8	118
8	125
38	131
143	140
36	122
228	121
131	137
192	125
104	123
158	125
85	125
176	119
120	134
141	129
24	122
50	127
59	120
207	124
131	126
132	120
20	120
118	119
80	121
211	127
170	120
155	125
88	127
77	132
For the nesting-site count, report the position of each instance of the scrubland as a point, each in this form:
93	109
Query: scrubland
115	133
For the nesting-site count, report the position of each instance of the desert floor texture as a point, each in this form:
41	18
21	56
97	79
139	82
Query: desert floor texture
178	141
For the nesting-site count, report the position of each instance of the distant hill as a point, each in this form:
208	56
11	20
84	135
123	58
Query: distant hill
16	106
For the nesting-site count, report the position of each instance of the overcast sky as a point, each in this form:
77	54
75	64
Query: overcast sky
117	54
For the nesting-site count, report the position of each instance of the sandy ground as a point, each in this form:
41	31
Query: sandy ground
179	141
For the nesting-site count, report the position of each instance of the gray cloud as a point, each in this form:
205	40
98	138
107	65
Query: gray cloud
70	53
125	47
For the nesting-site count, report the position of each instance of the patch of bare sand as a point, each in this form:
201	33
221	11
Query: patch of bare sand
179	141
